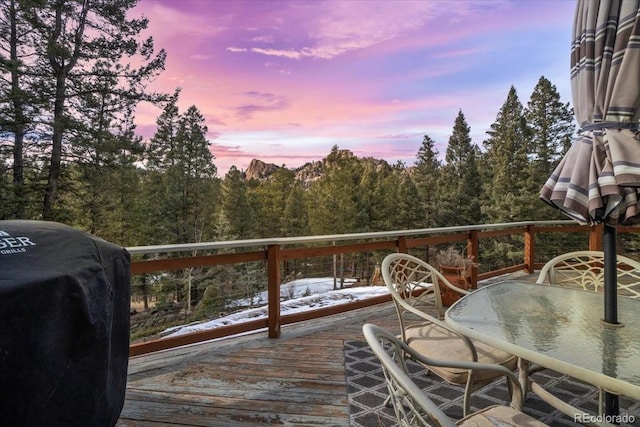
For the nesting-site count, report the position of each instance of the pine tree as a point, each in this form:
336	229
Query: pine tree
128	190
163	141
111	180
296	222
75	43
104	147
189	197
426	177
373	213
159	161
507	161
334	199
20	101
408	217
385	200
459	186
193	173
237	206
552	126
271	199
181	185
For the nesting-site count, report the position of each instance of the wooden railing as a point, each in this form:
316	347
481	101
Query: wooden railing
275	251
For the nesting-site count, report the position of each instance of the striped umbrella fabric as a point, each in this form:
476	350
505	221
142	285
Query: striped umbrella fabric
598	180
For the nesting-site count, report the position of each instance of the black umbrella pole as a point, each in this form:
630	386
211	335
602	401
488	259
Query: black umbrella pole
610	298
610	274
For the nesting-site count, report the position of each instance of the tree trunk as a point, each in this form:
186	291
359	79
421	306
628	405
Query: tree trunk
19	121
56	149
61	67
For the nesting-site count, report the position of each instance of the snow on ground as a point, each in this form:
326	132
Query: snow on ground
301	294
297	296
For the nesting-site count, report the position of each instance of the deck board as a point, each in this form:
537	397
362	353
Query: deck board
297	379
252	380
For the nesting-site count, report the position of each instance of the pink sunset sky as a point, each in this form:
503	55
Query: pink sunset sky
285	81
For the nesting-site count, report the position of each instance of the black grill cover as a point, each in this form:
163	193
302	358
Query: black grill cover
64	326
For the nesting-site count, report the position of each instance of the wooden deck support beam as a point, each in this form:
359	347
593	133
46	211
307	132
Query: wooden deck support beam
273	287
473	250
595	237
529	248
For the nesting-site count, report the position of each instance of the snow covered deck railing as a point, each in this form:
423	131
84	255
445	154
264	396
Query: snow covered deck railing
275	253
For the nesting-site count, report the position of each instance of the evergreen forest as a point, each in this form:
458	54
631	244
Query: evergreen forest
73	74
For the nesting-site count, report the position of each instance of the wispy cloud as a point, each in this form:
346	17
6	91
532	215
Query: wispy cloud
288	80
226	151
264	39
334	28
455	53
175	21
291	54
260	102
400	136
199	57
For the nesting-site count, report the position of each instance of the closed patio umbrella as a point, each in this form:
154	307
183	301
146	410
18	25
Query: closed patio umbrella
598	180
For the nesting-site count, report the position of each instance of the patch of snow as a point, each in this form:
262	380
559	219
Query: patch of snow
319	293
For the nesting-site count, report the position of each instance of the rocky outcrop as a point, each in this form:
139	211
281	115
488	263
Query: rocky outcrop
306	174
260	170
309	173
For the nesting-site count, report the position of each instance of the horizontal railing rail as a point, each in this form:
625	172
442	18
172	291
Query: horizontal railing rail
274	251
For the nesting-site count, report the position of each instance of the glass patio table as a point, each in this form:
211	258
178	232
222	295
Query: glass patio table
558	328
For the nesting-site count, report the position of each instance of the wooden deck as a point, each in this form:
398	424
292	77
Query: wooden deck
297	379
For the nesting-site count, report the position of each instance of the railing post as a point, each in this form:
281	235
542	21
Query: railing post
473	250
529	248
595	237
273	289
402	244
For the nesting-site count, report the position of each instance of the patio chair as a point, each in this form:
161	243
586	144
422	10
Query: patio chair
414	408
414	286
585	269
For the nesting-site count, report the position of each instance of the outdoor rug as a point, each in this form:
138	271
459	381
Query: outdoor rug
368	391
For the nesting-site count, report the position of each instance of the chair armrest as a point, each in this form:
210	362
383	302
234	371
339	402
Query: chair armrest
453	287
443	280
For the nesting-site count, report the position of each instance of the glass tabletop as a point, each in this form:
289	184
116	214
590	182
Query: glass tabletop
557	327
